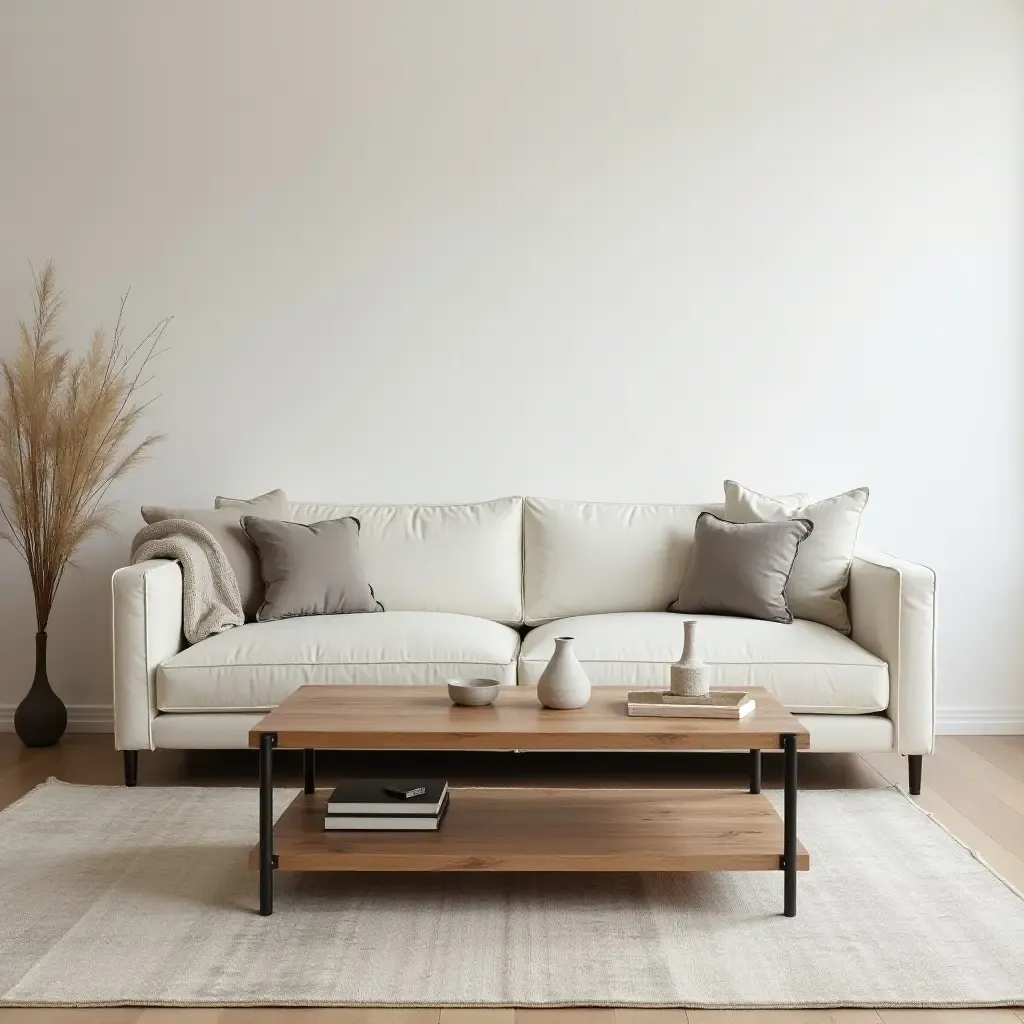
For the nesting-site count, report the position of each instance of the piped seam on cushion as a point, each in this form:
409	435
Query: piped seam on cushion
165	668
752	664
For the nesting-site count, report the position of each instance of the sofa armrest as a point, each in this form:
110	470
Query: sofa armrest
892	609
147	631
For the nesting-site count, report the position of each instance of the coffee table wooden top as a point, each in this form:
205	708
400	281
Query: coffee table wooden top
423	718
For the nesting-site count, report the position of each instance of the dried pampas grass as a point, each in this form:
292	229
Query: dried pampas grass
65	424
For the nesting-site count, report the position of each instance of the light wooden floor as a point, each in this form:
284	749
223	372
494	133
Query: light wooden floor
973	785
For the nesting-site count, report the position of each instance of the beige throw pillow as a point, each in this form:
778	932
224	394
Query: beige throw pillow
276	500
741	569
310	570
225	525
822	567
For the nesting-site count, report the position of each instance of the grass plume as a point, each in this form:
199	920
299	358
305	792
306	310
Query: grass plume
65	435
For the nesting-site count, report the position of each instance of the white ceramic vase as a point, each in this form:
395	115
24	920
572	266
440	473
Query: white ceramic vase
563	684
689	675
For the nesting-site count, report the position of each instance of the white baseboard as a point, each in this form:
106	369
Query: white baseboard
948	721
81	717
979	721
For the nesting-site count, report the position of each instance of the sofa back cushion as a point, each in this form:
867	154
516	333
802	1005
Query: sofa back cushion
587	558
593	557
439	558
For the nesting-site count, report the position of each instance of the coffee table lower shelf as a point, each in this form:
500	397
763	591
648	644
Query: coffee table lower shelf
550	830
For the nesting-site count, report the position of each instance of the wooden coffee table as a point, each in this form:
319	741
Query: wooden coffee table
530	829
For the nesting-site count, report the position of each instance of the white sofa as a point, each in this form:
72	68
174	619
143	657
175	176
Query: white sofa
482	589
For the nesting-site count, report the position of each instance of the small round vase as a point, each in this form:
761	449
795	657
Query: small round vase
563	684
689	675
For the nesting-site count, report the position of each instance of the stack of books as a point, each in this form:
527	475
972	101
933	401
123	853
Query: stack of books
732	704
402	805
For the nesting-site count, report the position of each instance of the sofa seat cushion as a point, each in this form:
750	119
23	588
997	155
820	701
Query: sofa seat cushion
254	667
808	667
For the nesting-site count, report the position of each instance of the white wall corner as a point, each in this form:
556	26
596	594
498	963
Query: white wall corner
81	717
973	721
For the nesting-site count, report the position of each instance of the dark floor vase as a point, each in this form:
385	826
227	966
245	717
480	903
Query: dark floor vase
41	717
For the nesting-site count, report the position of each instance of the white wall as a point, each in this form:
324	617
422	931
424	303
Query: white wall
583	248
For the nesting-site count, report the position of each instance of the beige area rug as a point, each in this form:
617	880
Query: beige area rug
142	896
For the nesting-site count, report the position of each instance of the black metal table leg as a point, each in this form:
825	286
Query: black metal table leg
789	824
267	742
755	771
309	770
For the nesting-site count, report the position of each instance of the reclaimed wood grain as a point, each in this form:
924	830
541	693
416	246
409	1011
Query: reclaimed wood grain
783	1017
550	830
423	718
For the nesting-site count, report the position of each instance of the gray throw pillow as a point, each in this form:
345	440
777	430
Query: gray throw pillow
822	568
310	570
741	568
226	527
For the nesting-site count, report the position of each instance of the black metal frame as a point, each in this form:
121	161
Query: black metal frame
309	771
787	862
131	767
268	860
788	743
915	762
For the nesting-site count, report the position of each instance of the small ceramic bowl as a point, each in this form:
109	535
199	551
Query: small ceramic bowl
472	693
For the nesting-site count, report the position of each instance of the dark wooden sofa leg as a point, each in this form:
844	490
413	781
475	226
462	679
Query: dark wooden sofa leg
131	767
915	761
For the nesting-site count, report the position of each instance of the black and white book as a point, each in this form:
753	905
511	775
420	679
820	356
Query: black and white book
428	822
372	796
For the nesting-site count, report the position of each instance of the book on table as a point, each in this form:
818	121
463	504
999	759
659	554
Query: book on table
369	804
734	704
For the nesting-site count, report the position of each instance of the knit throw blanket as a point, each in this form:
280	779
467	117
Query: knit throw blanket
210	599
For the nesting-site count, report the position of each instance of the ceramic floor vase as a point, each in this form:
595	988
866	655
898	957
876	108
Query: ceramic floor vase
563	684
41	717
689	677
